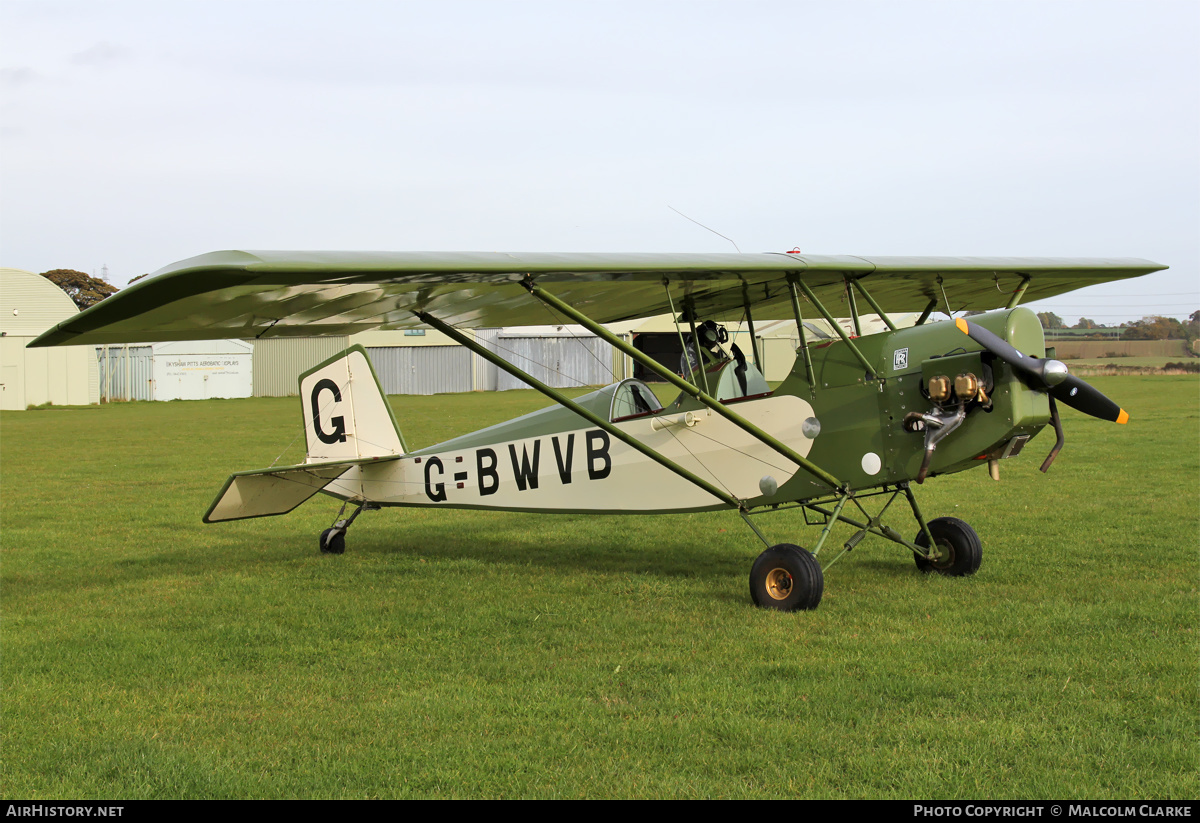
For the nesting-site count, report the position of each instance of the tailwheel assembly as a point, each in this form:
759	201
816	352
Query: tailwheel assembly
333	539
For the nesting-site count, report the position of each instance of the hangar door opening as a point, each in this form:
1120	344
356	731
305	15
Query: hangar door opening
663	347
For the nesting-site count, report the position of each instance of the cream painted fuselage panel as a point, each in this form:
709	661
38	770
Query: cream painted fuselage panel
588	470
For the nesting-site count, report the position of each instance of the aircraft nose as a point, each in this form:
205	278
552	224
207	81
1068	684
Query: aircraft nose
1050	376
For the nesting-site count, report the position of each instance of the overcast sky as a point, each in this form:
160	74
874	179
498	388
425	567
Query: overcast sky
135	134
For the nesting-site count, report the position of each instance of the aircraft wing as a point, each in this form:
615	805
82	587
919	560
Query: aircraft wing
240	294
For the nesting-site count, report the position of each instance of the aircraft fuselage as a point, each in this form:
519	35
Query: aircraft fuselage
847	421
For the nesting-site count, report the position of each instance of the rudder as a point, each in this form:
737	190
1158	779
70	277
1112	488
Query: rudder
346	415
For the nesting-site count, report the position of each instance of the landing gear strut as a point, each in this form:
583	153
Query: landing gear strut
788	578
333	539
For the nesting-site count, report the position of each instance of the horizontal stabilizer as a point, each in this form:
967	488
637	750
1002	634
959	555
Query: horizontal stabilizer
266	492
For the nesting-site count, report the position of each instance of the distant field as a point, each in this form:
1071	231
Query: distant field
1090	349
457	654
1143	362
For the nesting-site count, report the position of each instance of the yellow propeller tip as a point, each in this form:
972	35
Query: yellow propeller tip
962	325
1123	417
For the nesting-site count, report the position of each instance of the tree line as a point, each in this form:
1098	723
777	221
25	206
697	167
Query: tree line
1155	327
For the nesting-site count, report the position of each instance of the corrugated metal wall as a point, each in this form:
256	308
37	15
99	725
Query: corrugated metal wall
279	362
561	362
485	373
422	369
126	372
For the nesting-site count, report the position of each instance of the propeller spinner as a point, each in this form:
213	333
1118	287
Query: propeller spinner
1050	376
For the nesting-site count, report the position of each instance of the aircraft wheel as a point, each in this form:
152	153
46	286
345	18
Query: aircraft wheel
335	544
961	549
786	578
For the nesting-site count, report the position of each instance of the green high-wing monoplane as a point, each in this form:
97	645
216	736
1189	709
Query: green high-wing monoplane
858	417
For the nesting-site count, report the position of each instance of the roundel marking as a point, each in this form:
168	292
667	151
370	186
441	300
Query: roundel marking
871	464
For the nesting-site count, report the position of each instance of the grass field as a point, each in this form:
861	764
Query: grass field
1141	362
459	654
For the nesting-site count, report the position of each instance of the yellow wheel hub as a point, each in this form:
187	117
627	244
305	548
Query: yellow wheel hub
779	584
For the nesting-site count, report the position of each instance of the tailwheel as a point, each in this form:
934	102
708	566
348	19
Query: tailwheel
959	551
333	541
786	578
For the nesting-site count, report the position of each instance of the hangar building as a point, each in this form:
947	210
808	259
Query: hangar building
29	305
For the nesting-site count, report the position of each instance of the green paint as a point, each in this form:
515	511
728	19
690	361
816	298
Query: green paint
837	327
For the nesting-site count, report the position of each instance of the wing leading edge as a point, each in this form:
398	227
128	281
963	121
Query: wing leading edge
239	294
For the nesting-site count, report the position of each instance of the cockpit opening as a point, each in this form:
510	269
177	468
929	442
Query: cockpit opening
631	399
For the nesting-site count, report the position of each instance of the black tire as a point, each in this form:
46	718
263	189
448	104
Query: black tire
786	578
334	545
960	546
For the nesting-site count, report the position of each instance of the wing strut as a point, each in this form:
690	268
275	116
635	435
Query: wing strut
837	327
670	376
852	304
808	366
750	323
460	338
1020	292
701	364
882	315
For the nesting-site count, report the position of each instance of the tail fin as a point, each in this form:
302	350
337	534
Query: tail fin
346	416
347	421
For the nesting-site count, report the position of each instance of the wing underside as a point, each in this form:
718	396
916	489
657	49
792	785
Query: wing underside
236	294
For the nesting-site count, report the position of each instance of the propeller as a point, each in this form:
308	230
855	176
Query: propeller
1050	376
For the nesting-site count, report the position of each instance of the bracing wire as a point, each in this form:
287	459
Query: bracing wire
696	457
579	383
558	322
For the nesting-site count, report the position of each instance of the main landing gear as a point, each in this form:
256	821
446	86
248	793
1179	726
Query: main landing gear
333	539
959	550
788	578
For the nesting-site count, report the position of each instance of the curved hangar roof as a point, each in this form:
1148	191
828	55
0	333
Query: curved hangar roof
30	304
